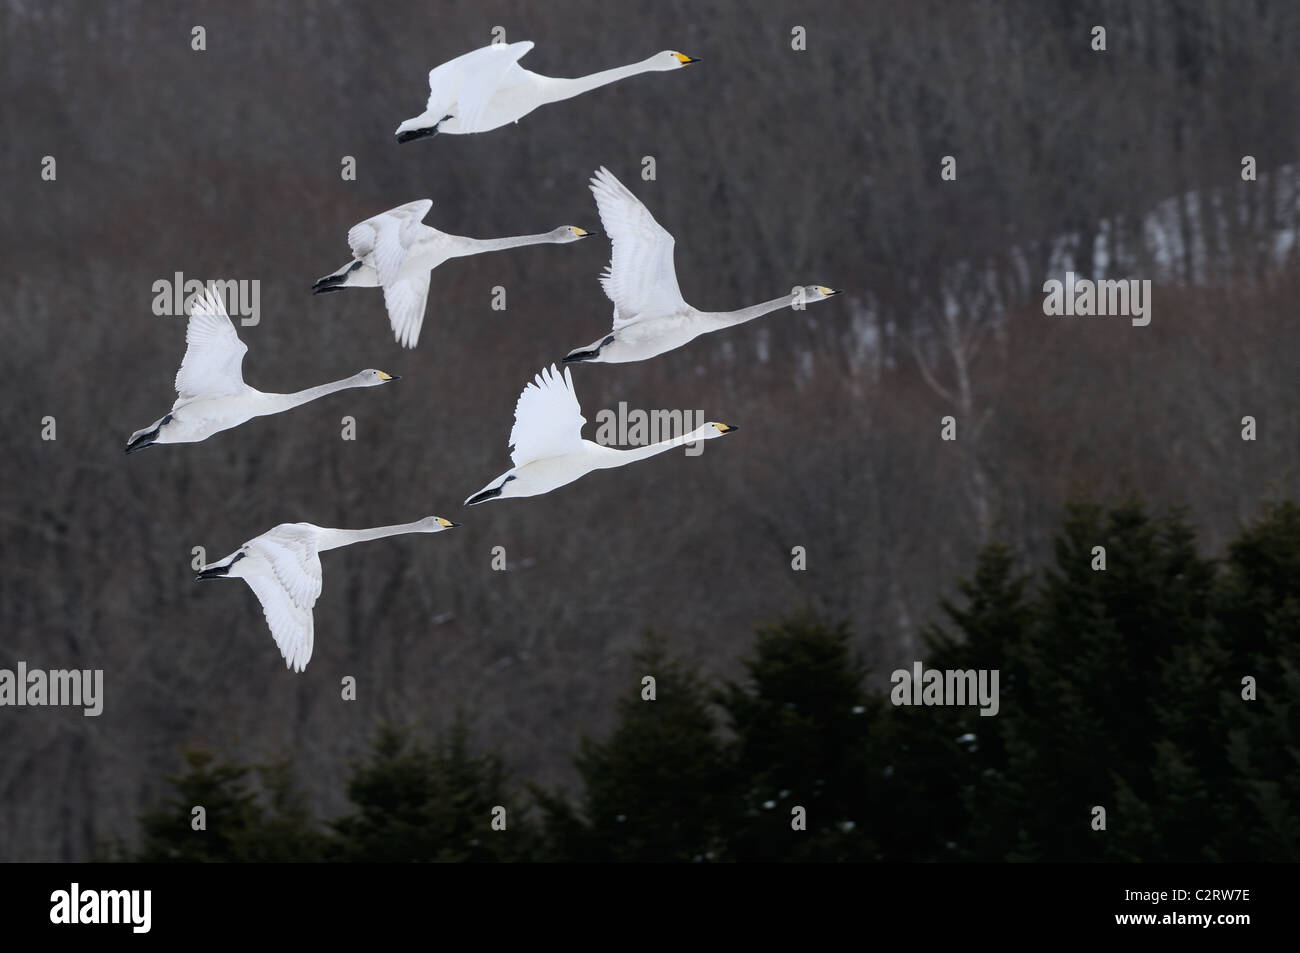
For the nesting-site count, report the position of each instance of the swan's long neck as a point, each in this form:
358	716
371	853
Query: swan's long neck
474	246
614	457
282	402
555	89
334	538
278	402
727	319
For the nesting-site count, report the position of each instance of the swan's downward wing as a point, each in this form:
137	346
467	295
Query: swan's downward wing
387	237
463	87
640	278
405	299
284	572
214	355
548	419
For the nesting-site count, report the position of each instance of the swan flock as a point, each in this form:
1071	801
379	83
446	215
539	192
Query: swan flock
397	252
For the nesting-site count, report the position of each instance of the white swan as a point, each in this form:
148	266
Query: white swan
211	393
548	449
650	316
487	88
396	251
282	567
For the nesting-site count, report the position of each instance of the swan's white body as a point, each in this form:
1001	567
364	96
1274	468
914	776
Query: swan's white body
282	567
548	448
650	316
487	88
210	388
396	251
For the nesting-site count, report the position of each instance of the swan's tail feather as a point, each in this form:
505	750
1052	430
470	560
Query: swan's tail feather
483	496
146	437
491	493
411	135
589	353
335	281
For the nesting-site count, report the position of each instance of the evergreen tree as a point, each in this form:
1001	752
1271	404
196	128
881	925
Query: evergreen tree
1096	667
968	782
803	737
1261	609
434	802
657	788
241	820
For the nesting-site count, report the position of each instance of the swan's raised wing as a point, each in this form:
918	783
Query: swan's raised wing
464	86
214	355
405	299
388	236
446	79
283	570
548	420
640	278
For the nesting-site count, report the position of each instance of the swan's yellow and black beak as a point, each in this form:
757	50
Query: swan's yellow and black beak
829	291
725	428
447	524
388	377
686	60
582	232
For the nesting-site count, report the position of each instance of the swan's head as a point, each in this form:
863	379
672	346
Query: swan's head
818	292
373	378
223	568
569	233
435	524
713	429
671	59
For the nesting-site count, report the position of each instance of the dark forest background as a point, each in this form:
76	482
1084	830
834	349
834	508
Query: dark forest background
1148	712
774	168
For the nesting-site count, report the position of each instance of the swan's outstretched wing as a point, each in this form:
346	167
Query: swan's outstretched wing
385	241
548	420
405	299
464	86
640	278
283	570
388	236
214	355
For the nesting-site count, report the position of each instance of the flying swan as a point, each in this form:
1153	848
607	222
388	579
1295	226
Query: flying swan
650	316
396	251
548	449
210	388
282	567
487	88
